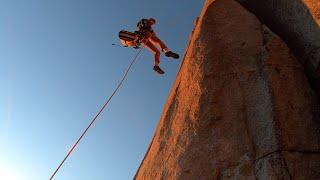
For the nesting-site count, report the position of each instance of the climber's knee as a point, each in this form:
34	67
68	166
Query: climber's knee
157	53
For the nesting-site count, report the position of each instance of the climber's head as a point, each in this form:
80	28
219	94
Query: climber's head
152	21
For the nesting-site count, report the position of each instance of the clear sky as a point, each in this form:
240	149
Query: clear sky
58	67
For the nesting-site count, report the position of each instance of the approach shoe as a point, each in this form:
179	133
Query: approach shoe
172	54
158	70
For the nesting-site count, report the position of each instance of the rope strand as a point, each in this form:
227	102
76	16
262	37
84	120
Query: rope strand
97	115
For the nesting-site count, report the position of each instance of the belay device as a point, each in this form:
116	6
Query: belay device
129	39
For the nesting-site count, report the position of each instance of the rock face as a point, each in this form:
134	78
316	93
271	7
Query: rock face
240	108
297	23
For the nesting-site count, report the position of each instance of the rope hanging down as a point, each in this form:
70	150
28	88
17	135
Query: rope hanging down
97	115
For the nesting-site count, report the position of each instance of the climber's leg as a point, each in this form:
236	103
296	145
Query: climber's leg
155	40
156	53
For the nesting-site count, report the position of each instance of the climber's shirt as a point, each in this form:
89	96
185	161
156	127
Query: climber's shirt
144	26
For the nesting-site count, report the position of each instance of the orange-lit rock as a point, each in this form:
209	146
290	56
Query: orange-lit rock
297	22
240	108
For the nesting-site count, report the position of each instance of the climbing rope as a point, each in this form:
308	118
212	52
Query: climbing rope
97	115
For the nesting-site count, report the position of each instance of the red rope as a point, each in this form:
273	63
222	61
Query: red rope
97	115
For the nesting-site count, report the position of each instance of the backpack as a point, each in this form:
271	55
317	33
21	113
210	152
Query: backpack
129	39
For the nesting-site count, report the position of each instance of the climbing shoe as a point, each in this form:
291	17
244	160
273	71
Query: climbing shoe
172	54
158	70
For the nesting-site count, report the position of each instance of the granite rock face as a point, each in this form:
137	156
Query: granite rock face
297	22
241	106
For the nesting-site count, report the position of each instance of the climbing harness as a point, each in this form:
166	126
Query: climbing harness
97	115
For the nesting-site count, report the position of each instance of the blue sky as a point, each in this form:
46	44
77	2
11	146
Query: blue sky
57	69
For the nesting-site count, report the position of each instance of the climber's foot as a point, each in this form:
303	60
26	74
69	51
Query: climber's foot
172	54
158	70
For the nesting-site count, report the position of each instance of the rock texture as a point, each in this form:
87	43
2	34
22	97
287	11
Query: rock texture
240	108
297	22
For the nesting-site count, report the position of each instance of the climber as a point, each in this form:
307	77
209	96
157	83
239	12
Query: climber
147	37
